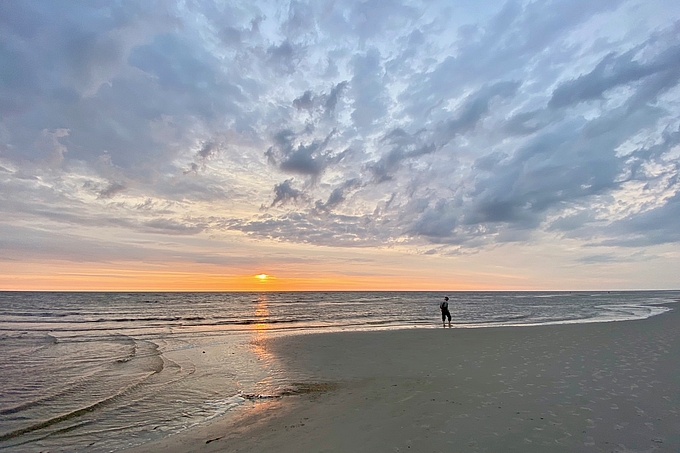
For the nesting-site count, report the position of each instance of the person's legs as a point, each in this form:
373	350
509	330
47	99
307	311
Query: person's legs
446	314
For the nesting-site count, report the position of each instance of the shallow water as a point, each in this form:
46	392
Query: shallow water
104	371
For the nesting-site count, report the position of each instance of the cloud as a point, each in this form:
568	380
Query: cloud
331	101
305	101
555	168
208	149
325	103
367	89
338	195
402	146
617	70
112	189
475	107
293	155
501	48
653	227
285	57
172	226
284	193
345	123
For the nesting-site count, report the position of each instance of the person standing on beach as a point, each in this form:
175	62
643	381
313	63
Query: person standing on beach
444	307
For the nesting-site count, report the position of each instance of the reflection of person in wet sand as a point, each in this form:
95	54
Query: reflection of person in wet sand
444	307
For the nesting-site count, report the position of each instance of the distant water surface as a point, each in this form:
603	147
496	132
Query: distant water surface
100	372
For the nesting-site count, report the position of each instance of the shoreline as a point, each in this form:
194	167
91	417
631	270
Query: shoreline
609	386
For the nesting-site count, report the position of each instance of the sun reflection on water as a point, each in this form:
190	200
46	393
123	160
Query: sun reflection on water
259	344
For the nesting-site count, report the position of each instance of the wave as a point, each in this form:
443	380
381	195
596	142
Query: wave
121	320
81	383
141	361
66	429
501	319
38	314
74	413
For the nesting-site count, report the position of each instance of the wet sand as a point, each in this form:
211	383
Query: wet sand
604	387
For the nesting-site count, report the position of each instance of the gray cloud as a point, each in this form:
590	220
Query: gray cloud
284	193
614	71
329	229
172	226
293	155
112	189
367	88
401	123
553	169
208	149
653	227
325	103
499	49
305	101
402	146
338	195
285	57
331	101
476	106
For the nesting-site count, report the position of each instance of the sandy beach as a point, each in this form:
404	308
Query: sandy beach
601	387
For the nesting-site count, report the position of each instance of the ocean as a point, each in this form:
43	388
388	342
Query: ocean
101	372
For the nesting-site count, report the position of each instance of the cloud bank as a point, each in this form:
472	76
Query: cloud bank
437	126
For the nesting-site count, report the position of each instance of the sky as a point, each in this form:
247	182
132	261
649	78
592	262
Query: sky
339	145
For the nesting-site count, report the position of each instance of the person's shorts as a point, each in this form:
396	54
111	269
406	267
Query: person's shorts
446	314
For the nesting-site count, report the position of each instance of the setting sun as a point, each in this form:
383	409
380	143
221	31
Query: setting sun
262	276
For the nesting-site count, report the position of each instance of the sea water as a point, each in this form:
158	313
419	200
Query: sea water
102	372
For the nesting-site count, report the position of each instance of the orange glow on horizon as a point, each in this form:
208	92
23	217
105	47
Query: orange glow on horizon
66	276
